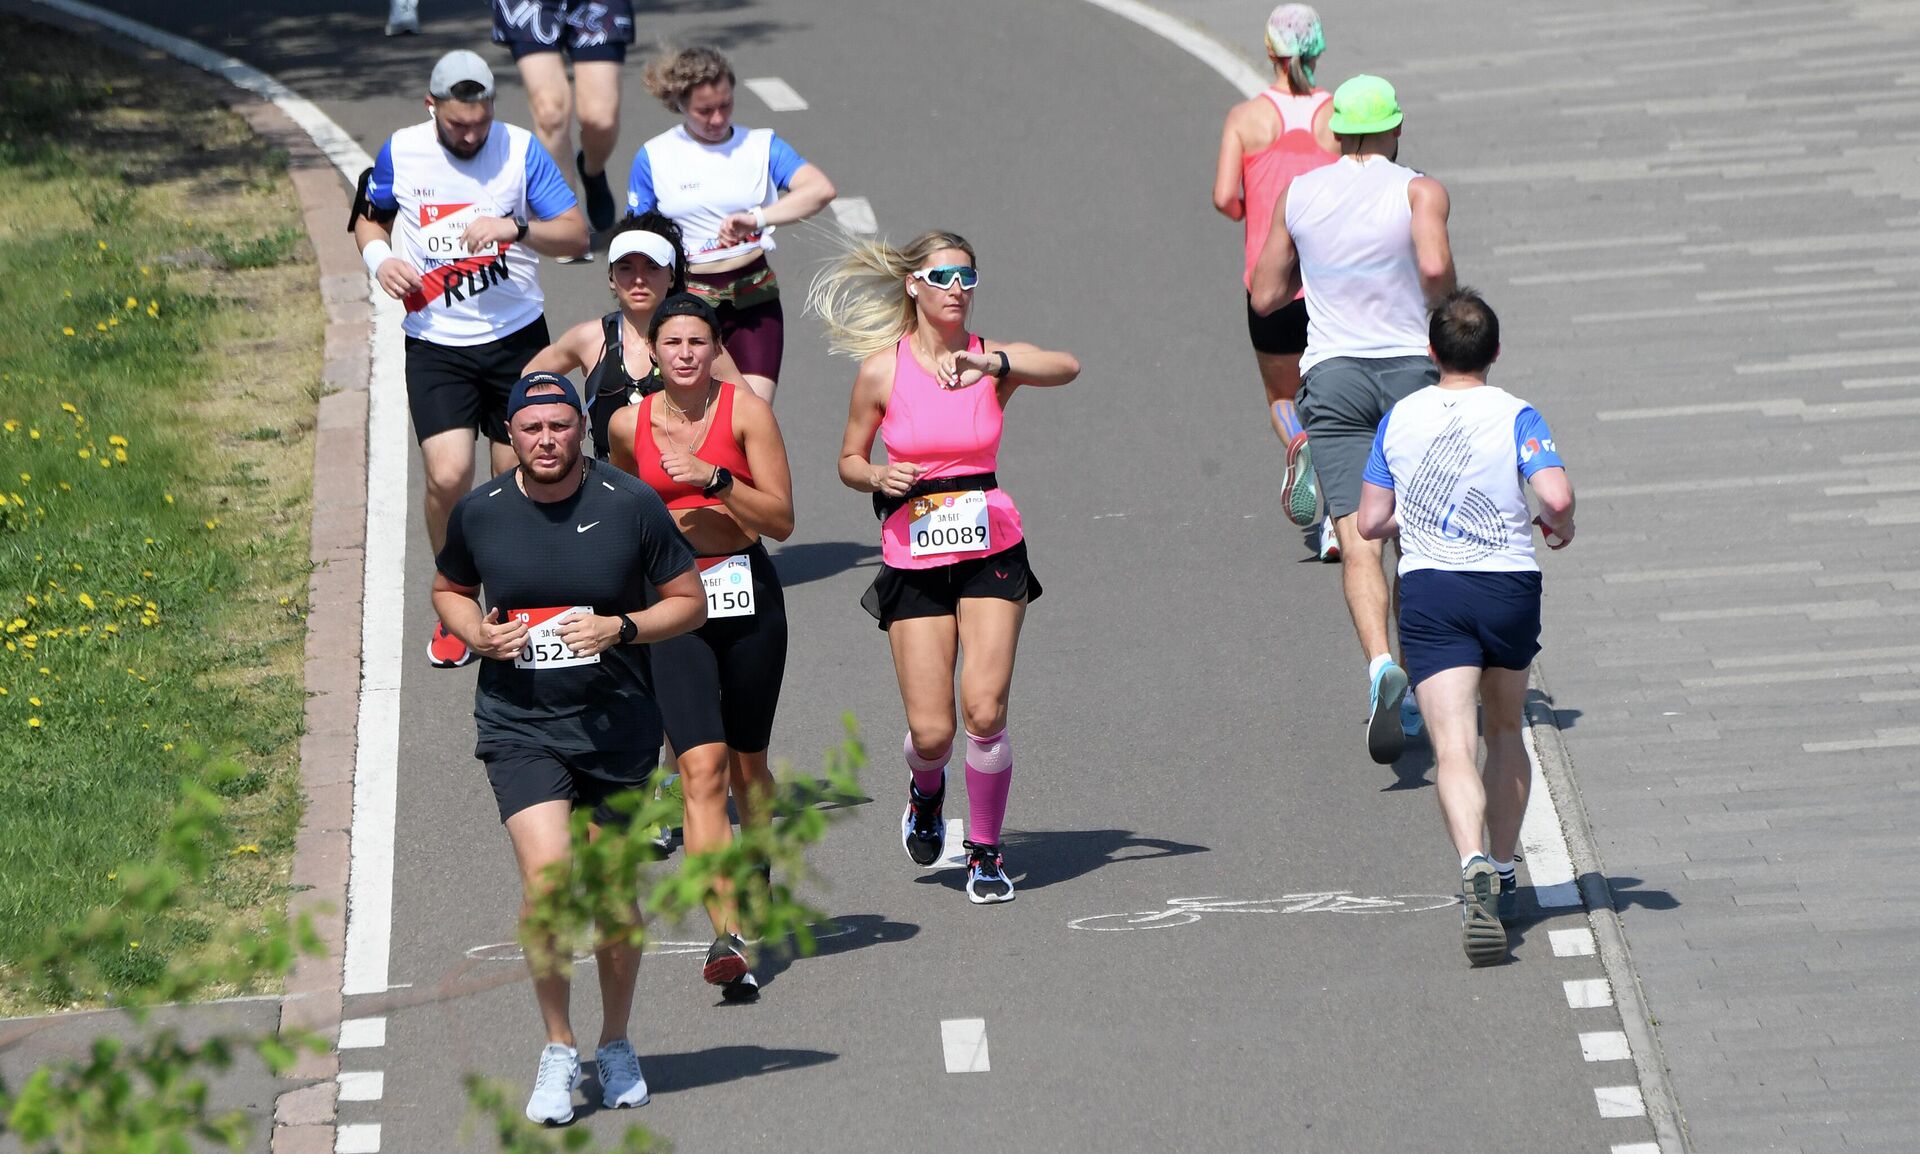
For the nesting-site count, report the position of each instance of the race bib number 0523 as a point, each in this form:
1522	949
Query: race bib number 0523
544	649
949	523
729	586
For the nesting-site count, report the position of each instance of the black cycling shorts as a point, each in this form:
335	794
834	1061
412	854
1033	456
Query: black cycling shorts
1281	333
526	775
899	594
720	684
466	386
586	30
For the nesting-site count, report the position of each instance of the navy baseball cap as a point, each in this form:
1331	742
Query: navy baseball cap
518	399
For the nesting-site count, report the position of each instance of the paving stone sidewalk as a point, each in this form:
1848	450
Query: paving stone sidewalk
1701	225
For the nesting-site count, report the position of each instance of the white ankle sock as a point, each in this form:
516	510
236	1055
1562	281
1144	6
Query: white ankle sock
1377	664
1505	867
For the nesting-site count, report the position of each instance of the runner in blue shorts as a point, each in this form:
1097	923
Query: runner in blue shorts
1448	472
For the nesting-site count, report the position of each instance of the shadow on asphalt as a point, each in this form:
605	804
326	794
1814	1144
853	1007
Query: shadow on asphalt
855	932
1040	858
816	560
1410	771
1627	894
671	1073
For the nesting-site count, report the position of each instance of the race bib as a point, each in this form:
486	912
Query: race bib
442	226
544	649
948	523
729	585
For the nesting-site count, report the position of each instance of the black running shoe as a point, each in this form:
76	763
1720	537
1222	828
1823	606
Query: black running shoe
1507	905
599	195
987	879
726	960
922	830
745	988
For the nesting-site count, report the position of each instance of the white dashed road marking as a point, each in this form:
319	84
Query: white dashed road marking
1605	1046
964	1041
1574	943
362	1085
363	1138
776	94
1588	994
1620	1101
1637	1148
363	1033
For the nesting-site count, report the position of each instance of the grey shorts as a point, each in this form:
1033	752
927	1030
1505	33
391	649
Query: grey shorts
1341	403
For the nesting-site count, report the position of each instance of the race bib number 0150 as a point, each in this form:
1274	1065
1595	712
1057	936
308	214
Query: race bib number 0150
729	585
544	649
949	523
442	226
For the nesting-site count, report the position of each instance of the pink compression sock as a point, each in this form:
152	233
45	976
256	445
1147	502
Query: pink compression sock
928	772
989	773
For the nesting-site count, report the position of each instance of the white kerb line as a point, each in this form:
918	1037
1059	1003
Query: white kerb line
370	884
776	94
1549	866
1197	43
964	1042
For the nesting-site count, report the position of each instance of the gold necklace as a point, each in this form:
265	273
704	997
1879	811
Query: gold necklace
698	427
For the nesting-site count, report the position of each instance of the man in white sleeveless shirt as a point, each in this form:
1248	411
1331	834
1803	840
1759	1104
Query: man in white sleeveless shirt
1448	473
448	220
1368	239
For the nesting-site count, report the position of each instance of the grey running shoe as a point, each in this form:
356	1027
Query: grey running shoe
1300	492
1509	903
554	1084
1385	738
621	1082
1481	934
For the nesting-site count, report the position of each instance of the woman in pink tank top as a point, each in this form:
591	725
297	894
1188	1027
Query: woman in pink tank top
1268	140
954	573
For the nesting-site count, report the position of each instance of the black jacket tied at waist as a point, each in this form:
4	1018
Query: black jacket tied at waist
883	505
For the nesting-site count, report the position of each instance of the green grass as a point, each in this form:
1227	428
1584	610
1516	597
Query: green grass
153	539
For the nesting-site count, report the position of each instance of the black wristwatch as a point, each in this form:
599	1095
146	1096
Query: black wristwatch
520	227
628	630
722	480
1005	367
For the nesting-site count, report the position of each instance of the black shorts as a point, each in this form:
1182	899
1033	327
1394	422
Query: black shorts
466	386
586	30
1281	333
526	775
899	594
1452	619
720	684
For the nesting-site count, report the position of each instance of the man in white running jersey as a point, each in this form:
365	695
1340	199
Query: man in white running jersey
448	220
1368	238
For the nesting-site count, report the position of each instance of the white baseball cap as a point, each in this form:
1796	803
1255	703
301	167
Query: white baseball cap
655	247
460	67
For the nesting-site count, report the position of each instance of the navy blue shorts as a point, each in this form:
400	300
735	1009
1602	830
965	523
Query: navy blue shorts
1477	620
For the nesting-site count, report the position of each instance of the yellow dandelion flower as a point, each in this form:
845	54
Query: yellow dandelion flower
132	303
10	647
34	433
105	463
130	945
3	691
34	701
31	599
111	627
26	476
67	407
87	600
68	294
113	320
101	325
102	244
33	723
67	330
118	440
45	671
85	454
248	848
113	875
213	524
167	497
16	625
146	573
11	426
167	747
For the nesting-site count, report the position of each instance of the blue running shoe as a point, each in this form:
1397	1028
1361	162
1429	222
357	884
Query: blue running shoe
1411	723
1385	739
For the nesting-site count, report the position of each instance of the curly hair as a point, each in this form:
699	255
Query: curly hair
672	73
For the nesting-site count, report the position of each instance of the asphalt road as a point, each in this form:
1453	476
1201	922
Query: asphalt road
1187	711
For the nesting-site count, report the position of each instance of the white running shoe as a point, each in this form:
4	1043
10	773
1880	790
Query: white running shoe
1329	541
621	1082
554	1084
403	17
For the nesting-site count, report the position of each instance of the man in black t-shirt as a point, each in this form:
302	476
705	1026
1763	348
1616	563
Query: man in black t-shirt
582	564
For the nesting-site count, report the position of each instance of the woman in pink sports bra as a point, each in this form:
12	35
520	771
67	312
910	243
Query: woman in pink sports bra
1269	140
954	574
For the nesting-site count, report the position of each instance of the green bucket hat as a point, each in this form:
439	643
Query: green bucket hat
1363	105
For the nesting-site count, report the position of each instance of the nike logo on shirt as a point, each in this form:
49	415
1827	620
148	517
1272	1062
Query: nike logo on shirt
585	527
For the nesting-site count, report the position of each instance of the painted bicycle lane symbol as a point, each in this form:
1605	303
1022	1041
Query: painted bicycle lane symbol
1186	911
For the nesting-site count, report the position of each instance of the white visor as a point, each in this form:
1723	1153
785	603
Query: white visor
656	247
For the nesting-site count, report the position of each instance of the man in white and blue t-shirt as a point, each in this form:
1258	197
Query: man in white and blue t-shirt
448	220
1448	472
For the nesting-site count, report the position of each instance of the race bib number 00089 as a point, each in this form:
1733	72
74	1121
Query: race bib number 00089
949	523
543	648
729	586
442	226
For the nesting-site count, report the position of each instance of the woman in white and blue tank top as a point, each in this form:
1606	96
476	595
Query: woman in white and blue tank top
726	187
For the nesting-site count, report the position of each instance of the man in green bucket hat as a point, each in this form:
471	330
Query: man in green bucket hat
1368	239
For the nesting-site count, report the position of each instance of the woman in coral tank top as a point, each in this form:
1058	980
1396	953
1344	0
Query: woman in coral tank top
1268	140
954	575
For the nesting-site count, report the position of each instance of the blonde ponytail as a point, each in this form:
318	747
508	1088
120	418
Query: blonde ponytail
860	297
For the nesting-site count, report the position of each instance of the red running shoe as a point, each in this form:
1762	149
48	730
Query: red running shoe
446	651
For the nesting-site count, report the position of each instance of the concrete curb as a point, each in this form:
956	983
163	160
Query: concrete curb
1610	938
304	1116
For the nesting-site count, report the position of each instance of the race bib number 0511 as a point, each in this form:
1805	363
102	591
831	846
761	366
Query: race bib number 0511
949	523
442	226
544	649
729	587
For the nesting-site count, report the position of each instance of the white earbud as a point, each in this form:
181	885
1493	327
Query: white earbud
913	292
